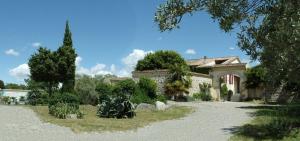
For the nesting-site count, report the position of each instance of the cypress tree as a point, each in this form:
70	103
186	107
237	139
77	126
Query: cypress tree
66	61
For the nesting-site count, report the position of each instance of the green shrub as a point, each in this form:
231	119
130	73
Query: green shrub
64	98
115	106
62	110
197	96
161	98
141	97
6	99
37	97
63	104
202	96
125	87
22	98
148	86
104	88
224	91
189	98
85	88
229	95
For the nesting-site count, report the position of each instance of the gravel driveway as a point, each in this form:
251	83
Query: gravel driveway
208	123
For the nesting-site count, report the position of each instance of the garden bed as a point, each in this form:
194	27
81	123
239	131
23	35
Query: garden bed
92	123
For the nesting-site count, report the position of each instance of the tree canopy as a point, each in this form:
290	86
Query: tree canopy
256	77
178	81
43	68
52	67
160	60
66	61
269	30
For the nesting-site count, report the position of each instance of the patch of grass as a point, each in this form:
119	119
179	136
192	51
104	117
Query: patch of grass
271	123
92	123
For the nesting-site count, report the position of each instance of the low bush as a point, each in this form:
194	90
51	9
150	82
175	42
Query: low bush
189	98
202	96
229	95
115	106
161	98
64	98
103	88
141	97
37	97
62	110
63	104
224	91
6	100
148	86
125	87
22	99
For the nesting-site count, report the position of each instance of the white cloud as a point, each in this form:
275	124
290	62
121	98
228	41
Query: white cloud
159	38
190	51
12	52
129	62
36	44
232	48
98	69
113	68
136	55
20	72
78	61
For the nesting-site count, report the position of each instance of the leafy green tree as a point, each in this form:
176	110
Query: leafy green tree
269	31
160	60
85	89
256	77
43	68
179	81
1	84
66	61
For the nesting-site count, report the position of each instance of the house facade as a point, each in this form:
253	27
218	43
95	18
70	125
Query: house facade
217	72
14	93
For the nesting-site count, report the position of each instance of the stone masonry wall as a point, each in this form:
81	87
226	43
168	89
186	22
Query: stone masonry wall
198	79
160	76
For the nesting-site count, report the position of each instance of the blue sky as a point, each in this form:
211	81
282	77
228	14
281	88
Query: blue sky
108	35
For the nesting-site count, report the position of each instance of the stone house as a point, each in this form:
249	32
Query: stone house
214	71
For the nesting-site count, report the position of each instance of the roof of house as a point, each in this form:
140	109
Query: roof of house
212	62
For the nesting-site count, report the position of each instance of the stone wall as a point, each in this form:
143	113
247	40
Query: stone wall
160	76
197	79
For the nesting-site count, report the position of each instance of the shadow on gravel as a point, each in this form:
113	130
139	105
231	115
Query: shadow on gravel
271	122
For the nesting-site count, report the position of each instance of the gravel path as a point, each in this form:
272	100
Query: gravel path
210	121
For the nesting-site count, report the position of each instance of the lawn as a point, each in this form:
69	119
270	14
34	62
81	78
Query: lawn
271	123
91	122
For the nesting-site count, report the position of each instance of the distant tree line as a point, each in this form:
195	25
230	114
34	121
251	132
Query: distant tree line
12	86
